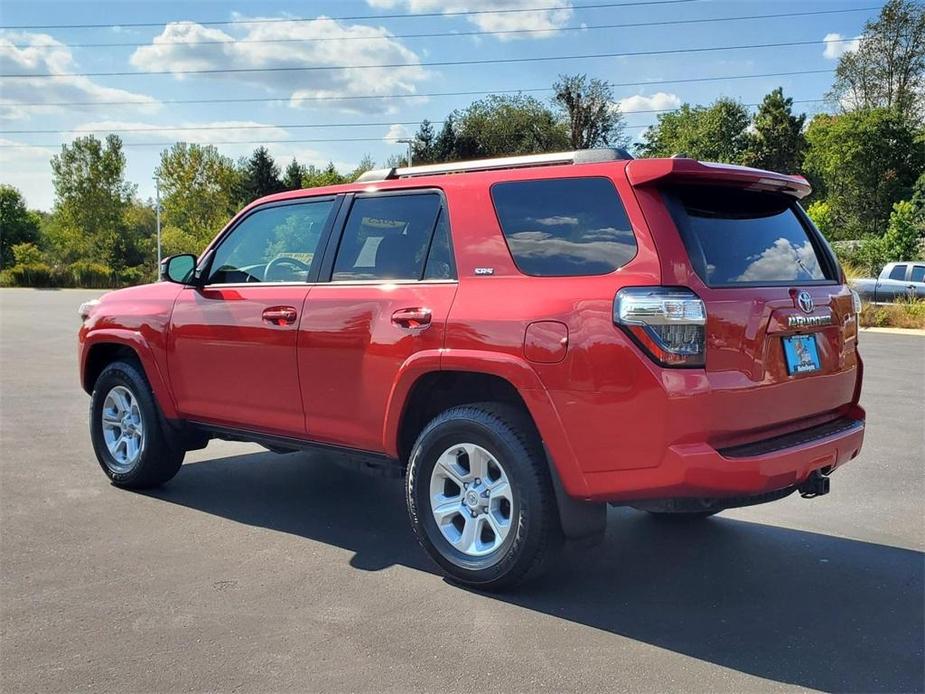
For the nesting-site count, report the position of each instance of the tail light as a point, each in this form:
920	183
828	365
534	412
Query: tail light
856	302
667	322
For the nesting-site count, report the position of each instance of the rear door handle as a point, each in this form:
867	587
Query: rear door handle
412	318
280	315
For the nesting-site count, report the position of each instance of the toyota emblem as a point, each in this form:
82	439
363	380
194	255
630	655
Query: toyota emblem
805	302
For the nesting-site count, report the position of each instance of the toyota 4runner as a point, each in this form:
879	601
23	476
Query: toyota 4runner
525	339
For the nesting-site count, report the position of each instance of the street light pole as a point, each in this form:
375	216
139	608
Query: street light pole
408	141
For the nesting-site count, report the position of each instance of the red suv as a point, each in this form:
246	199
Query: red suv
526	339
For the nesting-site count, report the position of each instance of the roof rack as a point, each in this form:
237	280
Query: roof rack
579	156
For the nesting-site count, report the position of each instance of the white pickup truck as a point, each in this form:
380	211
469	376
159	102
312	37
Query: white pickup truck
896	281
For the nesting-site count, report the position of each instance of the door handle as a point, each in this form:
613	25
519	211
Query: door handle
280	315
412	318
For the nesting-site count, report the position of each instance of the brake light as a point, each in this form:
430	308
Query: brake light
667	322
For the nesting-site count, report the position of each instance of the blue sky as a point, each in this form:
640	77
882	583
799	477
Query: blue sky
182	38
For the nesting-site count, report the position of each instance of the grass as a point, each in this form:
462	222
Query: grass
905	313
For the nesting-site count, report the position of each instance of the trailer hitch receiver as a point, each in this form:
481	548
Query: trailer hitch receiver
815	485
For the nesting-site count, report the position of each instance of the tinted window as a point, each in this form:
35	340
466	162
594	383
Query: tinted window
898	273
273	244
918	273
440	258
387	237
564	227
737	236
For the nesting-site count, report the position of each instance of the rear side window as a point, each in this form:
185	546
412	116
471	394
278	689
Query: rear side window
898	273
736	236
564	227
387	237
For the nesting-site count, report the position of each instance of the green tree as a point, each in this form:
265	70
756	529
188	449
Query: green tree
776	142
717	132
445	144
861	163
140	247
905	233
328	176
17	223
888	68
592	115
292	178
500	125
198	188
423	149
367	163
91	196
260	176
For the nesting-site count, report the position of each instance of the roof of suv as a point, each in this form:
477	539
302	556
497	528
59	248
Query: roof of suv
639	172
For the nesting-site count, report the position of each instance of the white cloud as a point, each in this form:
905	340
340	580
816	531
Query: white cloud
199	133
783	260
654	102
836	45
177	49
396	132
27	168
545	23
26	53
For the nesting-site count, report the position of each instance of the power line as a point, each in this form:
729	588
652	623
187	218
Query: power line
257	142
402	15
243	142
356	97
293	126
450	34
438	63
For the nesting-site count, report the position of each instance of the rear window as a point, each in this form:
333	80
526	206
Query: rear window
564	227
736	236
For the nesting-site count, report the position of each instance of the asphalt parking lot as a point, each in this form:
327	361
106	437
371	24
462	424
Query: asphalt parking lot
253	571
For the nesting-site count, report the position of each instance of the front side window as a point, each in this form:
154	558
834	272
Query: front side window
273	244
918	273
898	273
387	237
735	236
564	227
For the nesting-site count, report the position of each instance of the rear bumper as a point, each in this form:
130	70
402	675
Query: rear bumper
699	470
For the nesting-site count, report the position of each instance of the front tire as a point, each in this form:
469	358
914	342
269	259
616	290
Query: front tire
480	496
130	437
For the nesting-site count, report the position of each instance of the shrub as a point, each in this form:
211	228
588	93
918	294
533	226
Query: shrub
91	275
905	313
132	276
32	275
27	254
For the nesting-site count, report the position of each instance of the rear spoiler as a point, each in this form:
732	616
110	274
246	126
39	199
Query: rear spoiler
643	172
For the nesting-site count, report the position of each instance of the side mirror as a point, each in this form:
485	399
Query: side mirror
180	269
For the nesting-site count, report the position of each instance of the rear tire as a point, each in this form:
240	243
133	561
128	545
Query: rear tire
131	439
480	497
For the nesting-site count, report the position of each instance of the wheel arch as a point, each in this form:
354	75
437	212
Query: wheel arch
435	391
102	348
432	385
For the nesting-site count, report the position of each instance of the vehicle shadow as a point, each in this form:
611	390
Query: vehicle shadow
790	606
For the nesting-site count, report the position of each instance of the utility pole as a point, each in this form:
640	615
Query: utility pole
407	141
157	189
